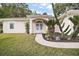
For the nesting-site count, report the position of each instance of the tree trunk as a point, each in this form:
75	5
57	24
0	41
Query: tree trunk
56	18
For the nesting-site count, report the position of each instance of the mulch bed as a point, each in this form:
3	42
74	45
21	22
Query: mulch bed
62	40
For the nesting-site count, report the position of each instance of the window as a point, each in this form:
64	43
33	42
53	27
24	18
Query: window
41	26
37	26
11	25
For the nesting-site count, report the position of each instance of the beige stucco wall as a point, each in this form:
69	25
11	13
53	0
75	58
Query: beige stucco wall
19	27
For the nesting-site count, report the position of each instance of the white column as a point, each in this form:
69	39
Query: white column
30	24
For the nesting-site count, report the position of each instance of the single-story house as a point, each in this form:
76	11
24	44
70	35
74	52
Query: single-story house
36	24
18	25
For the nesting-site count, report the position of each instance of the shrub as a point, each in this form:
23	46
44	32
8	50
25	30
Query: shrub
27	28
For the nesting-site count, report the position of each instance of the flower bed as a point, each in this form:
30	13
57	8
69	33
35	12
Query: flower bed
57	38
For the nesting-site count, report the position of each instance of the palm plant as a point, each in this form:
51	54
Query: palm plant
57	20
50	24
75	21
51	27
63	32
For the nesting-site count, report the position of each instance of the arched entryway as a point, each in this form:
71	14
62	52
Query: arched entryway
38	26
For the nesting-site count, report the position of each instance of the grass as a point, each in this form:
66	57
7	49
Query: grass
25	45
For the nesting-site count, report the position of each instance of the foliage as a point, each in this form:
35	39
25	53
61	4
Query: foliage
63	32
66	30
62	7
51	24
75	21
45	13
51	27
14	10
1	27
57	20
27	28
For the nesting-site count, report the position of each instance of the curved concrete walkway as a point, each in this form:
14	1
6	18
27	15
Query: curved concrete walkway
39	39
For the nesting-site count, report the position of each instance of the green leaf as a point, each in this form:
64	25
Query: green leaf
61	21
63	25
74	20
67	31
66	28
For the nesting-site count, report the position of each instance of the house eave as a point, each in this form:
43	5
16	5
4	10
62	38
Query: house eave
13	19
40	16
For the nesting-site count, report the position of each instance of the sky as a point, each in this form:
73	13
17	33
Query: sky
41	8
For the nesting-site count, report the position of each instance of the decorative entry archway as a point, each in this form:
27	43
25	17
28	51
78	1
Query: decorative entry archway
38	26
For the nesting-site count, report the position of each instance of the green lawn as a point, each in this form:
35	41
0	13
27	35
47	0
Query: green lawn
23	44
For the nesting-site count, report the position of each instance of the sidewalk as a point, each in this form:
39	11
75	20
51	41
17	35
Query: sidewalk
39	39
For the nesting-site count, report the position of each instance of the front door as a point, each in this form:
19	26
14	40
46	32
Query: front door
39	27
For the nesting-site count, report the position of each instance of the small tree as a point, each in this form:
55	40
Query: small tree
27	28
51	26
63	32
45	13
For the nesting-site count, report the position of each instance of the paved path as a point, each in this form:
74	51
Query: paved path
39	39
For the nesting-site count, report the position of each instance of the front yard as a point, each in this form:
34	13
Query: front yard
23	44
